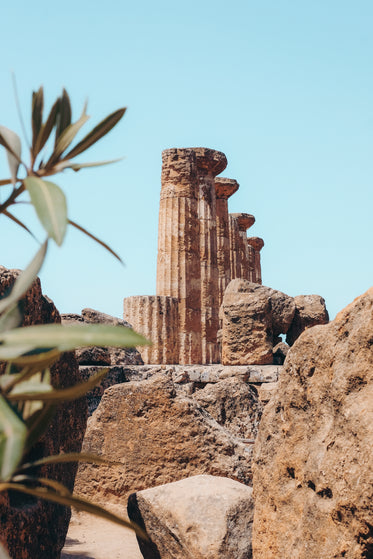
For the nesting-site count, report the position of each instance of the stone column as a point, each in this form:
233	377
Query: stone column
224	189
251	252
257	244
178	264
238	224
156	318
209	164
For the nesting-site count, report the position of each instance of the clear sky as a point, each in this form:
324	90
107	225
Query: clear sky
282	87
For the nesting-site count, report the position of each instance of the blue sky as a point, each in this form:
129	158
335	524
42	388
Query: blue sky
283	88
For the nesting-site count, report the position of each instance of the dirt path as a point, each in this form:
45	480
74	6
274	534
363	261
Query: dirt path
93	538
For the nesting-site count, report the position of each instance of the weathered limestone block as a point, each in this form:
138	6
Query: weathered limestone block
201	517
178	263
282	305
310	310
155	317
33	528
234	404
97	317
209	164
102	355
257	244
247	325
238	225
115	375
224	189
158	437
313	475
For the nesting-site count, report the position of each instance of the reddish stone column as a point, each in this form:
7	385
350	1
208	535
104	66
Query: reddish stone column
224	189
257	244
178	264
156	318
238	224
251	252
209	164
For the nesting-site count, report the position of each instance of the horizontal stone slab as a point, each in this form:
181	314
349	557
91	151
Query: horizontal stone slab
182	374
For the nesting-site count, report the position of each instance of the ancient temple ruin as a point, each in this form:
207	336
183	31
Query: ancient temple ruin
201	248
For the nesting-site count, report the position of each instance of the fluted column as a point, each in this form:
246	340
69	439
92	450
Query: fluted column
251	252
238	224
224	189
156	318
178	264
210	163
257	244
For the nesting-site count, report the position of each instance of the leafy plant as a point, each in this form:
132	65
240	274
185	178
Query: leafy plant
27	397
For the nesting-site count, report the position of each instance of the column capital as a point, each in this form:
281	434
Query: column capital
244	221
256	242
225	187
206	159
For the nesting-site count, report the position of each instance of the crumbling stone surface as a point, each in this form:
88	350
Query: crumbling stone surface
313	475
97	317
247	325
201	517
156	317
102	355
280	352
158	437
234	404
310	310
34	528
93	356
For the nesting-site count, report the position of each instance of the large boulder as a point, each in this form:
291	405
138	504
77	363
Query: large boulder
310	310
29	527
247	325
157	437
313	475
202	517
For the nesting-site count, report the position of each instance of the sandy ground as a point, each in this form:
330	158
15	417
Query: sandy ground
90	537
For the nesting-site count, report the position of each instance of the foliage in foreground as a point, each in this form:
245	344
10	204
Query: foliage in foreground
27	397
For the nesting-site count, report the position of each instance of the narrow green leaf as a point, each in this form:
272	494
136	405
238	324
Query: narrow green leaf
97	133
64	114
67	338
67	137
3	552
72	501
69	457
28	387
77	166
25	279
13	433
10	353
12	143
18	222
50	204
37	117
12	318
34	359
46	129
95	239
51	483
40	392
